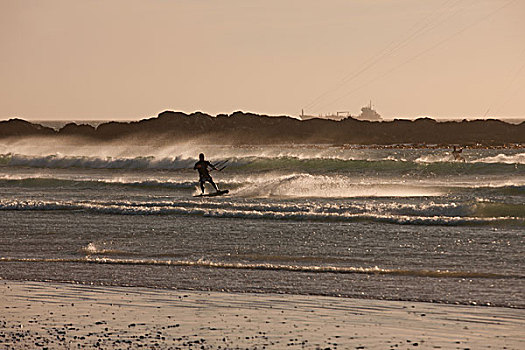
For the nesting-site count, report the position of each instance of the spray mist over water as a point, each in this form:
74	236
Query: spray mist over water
291	171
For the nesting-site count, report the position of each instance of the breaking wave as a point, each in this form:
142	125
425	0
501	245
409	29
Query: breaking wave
93	249
278	185
271	267
450	214
428	164
503	158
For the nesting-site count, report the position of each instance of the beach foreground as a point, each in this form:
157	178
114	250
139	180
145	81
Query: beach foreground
57	316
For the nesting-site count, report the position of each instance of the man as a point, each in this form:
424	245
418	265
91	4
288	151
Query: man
202	167
456	155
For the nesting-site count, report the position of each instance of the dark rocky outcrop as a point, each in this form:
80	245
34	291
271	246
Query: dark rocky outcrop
72	129
21	128
248	128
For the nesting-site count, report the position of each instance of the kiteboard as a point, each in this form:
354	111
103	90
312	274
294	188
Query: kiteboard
213	194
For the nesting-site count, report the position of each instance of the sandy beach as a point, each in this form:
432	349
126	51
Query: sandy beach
65	316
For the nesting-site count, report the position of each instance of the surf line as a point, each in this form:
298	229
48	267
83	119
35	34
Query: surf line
272	267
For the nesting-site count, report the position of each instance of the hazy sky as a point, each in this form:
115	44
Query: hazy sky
131	59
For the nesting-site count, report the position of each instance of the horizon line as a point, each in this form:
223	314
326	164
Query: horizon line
326	116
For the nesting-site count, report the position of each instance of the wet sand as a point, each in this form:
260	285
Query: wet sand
39	315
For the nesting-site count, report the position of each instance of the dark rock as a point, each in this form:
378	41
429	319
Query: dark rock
249	128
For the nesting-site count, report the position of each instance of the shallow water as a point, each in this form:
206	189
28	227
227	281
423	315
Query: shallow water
406	224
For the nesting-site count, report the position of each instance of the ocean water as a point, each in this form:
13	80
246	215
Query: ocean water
399	224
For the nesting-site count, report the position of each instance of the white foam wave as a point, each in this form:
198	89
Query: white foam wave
91	248
274	185
434	158
497	159
375	270
395	213
504	158
100	249
329	186
182	160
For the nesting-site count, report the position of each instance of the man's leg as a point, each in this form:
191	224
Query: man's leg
213	184
201	183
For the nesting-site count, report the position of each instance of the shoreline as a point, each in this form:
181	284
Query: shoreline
61	315
356	297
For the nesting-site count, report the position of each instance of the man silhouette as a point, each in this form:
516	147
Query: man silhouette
456	154
204	176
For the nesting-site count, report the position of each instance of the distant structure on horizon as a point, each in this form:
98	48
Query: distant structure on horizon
367	113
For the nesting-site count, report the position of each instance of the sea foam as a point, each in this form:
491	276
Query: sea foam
395	213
